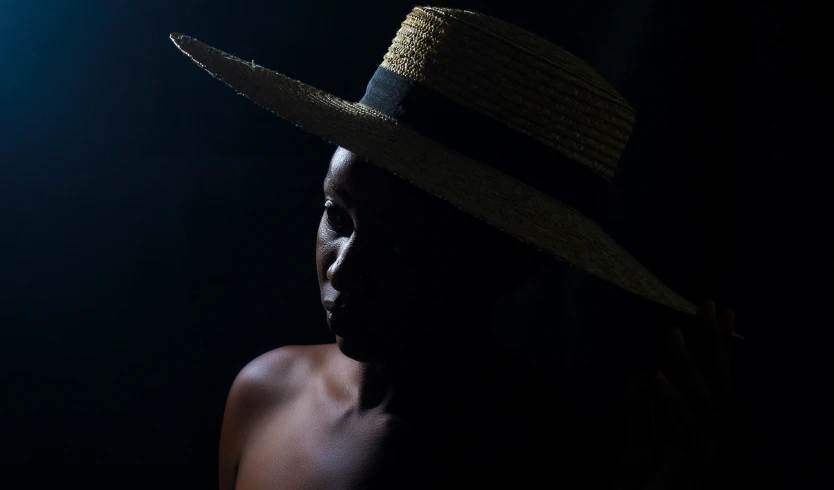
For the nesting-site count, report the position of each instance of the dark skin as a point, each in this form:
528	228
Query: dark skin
415	393
676	415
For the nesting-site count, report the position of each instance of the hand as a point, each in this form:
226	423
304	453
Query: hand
675	414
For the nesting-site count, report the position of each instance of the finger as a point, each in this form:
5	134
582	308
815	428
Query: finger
703	338
675	428
683	372
672	416
639	412
706	341
637	463
726	325
723	389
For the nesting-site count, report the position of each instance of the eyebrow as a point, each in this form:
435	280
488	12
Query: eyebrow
339	193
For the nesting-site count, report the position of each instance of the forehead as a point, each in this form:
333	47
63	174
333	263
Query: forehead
378	196
349	177
363	186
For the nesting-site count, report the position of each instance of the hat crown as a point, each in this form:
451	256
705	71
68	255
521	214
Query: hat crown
518	78
449	69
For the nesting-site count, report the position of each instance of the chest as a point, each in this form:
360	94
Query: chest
317	445
314	444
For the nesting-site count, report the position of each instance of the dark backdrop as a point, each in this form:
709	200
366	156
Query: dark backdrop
157	231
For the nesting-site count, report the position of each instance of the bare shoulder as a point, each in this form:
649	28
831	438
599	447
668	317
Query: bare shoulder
278	374
260	390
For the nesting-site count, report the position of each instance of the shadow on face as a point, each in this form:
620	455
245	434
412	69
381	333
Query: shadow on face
409	269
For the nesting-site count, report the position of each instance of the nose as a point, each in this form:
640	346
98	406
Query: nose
348	270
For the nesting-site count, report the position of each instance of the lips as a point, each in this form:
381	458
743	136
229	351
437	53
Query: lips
340	306
341	321
332	305
340	312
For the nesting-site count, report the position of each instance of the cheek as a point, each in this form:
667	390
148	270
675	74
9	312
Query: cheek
420	288
323	249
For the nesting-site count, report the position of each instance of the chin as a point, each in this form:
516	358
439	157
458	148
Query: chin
358	349
354	339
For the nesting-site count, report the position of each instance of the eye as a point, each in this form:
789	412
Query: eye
337	218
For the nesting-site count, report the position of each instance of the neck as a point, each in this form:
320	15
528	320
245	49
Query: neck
431	377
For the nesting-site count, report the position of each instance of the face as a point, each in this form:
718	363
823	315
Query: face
392	268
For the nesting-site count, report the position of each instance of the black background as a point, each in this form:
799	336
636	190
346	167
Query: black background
158	230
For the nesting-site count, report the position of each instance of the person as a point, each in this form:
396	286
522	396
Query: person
407	282
416	392
425	227
678	412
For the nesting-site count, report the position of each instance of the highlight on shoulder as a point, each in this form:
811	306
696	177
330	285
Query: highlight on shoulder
260	388
276	374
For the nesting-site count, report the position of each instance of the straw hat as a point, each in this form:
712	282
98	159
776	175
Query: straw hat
457	99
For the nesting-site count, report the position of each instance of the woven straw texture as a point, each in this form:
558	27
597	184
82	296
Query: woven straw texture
518	78
506	203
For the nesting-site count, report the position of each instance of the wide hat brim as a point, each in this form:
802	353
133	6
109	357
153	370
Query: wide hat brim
506	203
